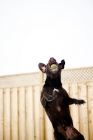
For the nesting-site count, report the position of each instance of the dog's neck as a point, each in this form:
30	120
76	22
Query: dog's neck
54	82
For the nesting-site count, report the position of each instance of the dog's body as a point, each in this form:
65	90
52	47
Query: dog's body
56	101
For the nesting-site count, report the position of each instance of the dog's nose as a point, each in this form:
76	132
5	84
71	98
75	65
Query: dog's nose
52	59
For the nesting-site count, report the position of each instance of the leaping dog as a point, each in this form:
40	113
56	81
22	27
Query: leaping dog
56	101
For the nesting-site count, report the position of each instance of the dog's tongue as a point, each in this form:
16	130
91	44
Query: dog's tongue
53	65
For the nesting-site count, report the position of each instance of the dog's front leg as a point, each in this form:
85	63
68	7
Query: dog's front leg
75	101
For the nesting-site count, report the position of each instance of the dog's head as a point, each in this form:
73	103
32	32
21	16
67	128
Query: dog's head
52	68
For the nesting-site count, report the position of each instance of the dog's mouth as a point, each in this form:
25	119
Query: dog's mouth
54	67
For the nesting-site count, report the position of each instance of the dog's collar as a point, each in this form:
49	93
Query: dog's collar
55	90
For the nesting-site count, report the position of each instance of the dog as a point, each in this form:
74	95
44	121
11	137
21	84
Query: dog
56	101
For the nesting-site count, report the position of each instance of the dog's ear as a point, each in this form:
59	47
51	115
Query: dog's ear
42	67
62	64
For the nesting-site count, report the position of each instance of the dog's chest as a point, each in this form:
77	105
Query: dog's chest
60	98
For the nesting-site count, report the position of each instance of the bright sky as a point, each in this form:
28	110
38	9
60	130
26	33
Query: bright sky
32	31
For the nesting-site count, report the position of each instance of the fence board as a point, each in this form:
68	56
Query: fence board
22	131
29	114
1	114
36	113
48	129
91	101
14	114
89	111
7	114
75	115
42	123
83	114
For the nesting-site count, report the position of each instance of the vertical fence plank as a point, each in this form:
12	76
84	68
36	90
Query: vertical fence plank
80	112
7	114
22	114
36	113
75	115
91	104
83	112
1	114
48	129
90	120
29	114
14	114
42	124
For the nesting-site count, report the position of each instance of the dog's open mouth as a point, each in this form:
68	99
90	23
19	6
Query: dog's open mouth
54	67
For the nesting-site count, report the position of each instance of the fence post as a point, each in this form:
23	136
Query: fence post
42	132
1	114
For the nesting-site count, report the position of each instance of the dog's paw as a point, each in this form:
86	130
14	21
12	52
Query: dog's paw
80	102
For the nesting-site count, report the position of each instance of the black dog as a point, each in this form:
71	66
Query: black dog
56	101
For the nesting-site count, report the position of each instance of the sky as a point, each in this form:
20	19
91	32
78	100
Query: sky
32	31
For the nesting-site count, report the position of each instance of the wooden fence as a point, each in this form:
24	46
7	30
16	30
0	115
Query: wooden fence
21	115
